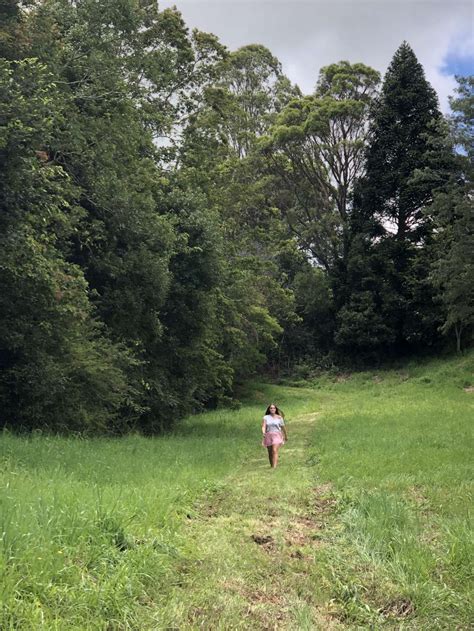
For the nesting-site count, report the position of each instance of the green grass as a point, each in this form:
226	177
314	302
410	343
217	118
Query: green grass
91	527
398	451
367	522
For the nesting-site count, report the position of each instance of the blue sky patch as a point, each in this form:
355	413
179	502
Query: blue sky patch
455	65
459	60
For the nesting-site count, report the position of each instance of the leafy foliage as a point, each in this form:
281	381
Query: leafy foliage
316	146
58	369
175	217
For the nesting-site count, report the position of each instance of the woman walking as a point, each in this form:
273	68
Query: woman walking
274	432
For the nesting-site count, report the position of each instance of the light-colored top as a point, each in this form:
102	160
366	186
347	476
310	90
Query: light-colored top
273	423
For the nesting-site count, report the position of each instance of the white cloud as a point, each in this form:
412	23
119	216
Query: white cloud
308	35
463	44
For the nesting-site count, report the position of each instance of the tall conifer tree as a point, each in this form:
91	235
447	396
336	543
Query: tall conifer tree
390	216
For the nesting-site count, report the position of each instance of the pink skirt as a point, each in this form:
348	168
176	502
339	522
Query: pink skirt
272	438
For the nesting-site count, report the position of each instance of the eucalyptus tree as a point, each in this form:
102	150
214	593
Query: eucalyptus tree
219	157
453	268
250	90
316	146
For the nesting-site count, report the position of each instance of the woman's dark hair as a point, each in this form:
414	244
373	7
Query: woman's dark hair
278	411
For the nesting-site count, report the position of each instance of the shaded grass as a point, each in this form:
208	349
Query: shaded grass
366	523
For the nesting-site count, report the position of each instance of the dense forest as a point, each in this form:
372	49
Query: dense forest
176	217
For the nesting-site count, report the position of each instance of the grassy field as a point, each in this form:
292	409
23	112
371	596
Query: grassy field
366	524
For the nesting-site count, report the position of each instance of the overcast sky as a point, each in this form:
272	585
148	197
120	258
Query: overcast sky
306	35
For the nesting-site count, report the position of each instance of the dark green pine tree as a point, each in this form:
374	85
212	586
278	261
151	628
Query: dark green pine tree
390	216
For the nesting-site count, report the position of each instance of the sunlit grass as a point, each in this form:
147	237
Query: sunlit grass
398	449
90	527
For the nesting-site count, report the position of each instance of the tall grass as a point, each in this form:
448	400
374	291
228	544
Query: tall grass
89	528
397	446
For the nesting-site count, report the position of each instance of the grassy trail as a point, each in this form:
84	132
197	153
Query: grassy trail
254	543
366	523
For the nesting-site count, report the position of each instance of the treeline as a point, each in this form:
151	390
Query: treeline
175	217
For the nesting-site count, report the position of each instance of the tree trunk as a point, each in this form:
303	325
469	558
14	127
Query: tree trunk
458	331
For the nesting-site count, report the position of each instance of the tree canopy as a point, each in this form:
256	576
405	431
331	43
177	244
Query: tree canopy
177	217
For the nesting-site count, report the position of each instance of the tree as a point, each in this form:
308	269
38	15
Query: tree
310	336
316	146
404	118
11	31
363	320
462	116
453	269
407	140
130	77
251	89
58	369
219	158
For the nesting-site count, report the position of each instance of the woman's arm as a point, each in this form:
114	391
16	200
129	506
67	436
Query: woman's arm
283	429
264	426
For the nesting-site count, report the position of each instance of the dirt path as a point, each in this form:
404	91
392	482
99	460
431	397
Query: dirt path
255	544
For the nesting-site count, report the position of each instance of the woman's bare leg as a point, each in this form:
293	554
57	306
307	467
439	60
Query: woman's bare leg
270	455
274	456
